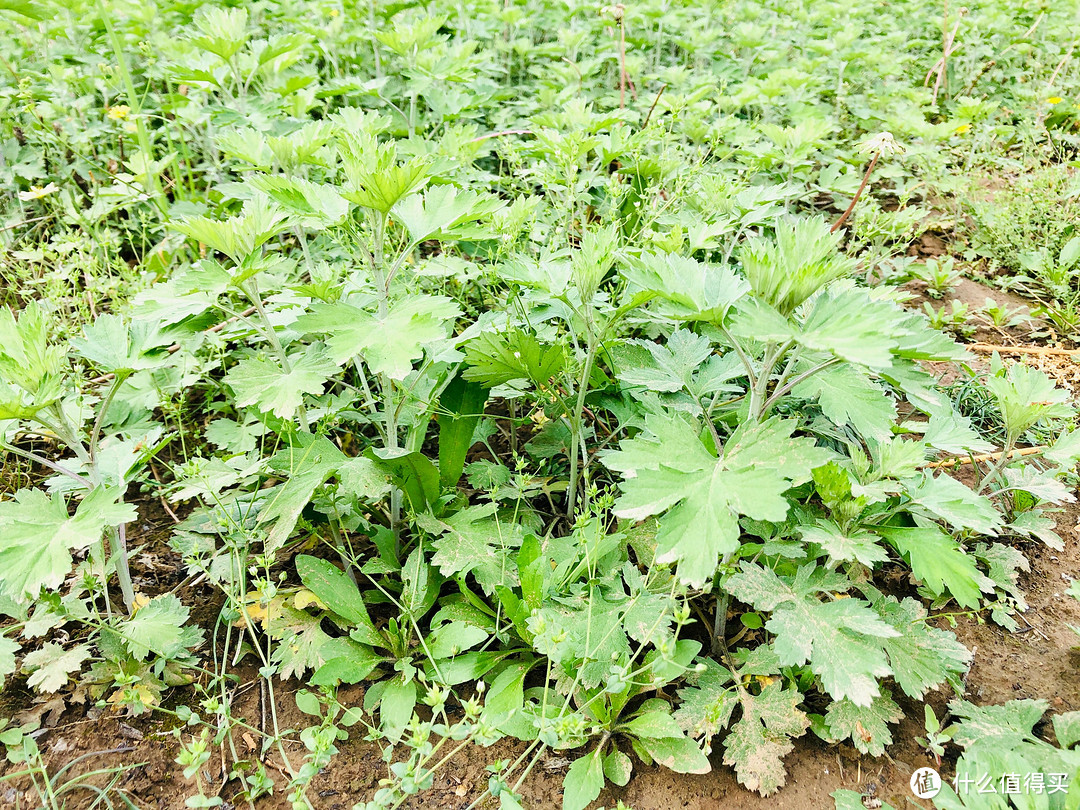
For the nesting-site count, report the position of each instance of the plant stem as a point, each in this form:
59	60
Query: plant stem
579	432
855	199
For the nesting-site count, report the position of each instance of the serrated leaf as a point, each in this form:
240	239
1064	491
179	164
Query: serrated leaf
841	638
442	211
237	237
305	466
50	666
921	656
119	347
686	289
263	381
847	396
159	627
761	738
673	364
667	469
953	433
478	540
37	536
858	545
499	358
705	708
389	344
8	651
938	561
867	726
944	497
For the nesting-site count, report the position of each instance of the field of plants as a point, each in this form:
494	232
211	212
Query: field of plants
539	404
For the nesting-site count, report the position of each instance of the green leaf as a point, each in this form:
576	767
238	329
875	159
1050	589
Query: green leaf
159	627
339	594
761	738
676	753
396	707
583	782
667	469
843	546
657	723
412	472
443	212
499	358
867	726
460	408
850	800
921	655
705	708
239	236
1067	729
850	324
1025	396
28	362
800	259
847	396
33	11
305	466
454	638
946	498
841	637
479	540
389	344
122	348
264	382
1004	726
686	289
50	666
618	767
938	561
953	433
37	536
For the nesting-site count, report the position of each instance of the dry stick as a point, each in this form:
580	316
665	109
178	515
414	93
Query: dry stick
959	461
989	348
104	378
855	199
940	68
653	107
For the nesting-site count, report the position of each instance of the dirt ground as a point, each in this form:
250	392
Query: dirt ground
1040	660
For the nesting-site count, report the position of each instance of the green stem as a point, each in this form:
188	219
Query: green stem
578	428
136	108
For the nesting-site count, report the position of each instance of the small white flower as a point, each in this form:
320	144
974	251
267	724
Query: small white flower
37	192
883	142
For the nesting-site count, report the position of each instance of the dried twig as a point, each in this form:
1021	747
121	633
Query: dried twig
959	461
653	107
989	348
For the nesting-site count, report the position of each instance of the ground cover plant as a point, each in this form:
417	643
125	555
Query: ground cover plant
541	379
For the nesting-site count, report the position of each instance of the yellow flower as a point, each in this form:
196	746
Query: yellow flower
119	112
1054	100
334	12
37	192
960	130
